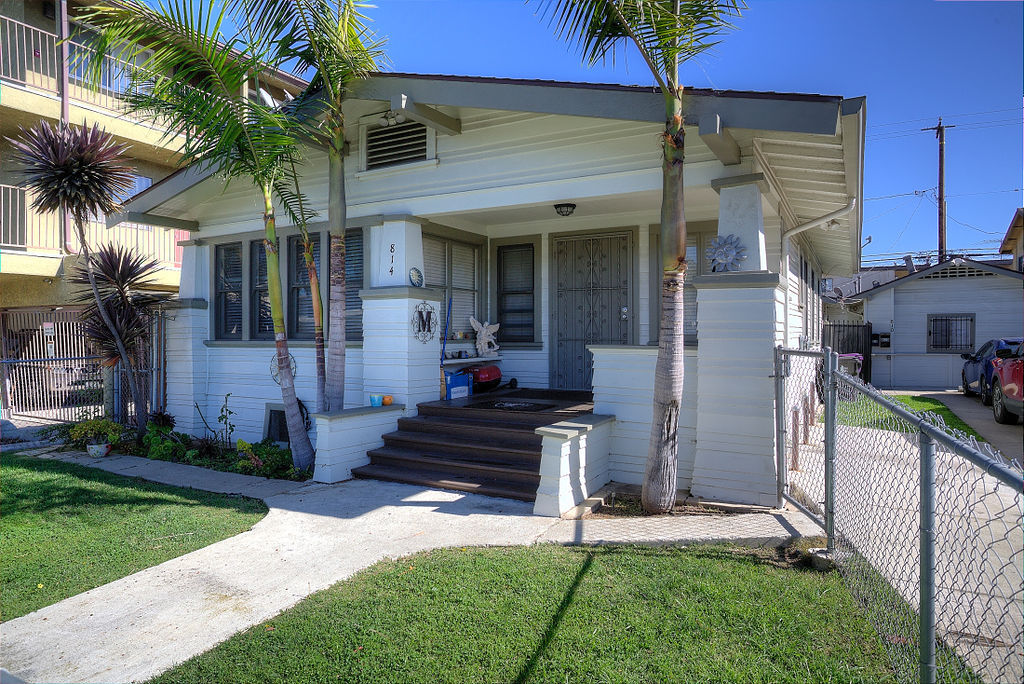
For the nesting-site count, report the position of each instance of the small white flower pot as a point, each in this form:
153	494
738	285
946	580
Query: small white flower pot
98	450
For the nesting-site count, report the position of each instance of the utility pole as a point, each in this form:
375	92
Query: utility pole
940	133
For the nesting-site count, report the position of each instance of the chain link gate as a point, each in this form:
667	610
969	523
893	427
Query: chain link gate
922	521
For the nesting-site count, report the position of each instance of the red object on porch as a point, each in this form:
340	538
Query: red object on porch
485	378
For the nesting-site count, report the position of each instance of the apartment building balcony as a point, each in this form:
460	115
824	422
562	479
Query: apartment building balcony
34	245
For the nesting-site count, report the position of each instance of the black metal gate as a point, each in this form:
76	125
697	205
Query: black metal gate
850	338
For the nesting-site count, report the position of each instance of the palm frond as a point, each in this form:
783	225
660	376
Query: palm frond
665	32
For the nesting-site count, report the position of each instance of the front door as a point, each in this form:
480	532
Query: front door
592	303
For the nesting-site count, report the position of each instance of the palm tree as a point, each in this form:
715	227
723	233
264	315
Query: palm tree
191	79
81	171
665	33
331	37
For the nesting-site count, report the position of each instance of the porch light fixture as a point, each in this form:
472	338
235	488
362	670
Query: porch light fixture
565	208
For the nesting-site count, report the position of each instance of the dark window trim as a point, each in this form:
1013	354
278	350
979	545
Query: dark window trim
535	240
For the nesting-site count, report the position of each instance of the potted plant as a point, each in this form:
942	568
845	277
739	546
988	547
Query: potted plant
99	435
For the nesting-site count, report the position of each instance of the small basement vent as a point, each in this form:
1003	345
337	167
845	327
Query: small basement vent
398	144
277	427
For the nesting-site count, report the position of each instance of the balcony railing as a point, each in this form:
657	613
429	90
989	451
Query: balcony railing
31	57
23	228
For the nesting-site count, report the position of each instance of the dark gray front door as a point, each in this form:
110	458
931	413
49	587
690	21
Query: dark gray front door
593	301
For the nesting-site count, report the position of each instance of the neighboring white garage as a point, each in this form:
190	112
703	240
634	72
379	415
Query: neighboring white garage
930	317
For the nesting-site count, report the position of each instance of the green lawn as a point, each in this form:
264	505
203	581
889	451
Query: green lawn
864	412
554	614
65	528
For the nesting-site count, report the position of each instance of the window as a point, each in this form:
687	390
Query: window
515	311
301	322
695	265
950	333
353	283
228	292
398	143
453	268
261	321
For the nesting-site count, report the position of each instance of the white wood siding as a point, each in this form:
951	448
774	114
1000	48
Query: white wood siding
995	300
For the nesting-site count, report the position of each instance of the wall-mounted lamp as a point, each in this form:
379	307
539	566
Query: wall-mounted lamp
565	208
391	119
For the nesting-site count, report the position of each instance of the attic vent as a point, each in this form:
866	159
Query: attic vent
958	272
397	144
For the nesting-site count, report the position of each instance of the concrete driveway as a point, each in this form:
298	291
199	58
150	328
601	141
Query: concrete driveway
1009	439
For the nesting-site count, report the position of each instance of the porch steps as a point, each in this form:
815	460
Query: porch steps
485	452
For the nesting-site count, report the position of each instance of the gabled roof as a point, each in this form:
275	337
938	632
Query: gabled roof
1013	233
979	265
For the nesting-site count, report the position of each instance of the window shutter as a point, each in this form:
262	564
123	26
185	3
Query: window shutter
398	144
228	292
689	292
353	283
435	263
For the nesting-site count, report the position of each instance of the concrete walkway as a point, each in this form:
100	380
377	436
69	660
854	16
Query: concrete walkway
314	536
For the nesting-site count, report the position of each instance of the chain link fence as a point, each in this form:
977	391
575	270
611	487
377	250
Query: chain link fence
923	522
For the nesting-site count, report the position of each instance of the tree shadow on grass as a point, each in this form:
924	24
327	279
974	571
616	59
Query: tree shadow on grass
556	620
76	490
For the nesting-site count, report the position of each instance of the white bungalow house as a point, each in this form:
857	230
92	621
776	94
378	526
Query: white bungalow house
471	182
923	321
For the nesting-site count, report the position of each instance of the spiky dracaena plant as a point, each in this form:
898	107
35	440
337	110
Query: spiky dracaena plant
82	172
123	278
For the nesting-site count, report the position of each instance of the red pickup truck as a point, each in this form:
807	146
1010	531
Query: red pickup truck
1008	385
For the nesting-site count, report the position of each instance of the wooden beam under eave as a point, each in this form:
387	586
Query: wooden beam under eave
719	140
152	220
428	116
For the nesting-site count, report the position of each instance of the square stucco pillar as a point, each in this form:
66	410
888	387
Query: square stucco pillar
740	214
737	317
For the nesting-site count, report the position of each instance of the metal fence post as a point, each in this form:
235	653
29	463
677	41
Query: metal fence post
927	540
780	426
831	407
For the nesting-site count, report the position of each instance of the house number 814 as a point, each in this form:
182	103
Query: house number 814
391	271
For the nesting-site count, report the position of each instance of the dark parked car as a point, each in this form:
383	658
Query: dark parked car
1008	385
977	373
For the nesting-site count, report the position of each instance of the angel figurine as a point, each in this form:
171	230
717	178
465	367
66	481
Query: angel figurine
486	344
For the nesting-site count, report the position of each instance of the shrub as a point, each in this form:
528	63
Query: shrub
97	431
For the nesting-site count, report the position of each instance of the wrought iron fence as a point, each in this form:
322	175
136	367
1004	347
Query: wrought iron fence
923	522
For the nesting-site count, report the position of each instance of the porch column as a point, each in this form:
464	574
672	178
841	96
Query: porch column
737	314
401	322
188	326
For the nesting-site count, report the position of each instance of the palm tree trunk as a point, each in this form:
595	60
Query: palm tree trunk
659	486
141	412
318	323
336	214
298	438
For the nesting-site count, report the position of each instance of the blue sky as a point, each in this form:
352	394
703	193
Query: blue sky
914	60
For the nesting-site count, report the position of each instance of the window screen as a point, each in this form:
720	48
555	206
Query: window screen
515	293
262	324
300	297
228	292
951	333
353	283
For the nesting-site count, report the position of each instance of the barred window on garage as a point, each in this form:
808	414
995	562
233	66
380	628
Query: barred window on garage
951	333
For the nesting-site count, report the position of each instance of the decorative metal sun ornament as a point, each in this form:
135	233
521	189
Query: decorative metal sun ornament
726	253
275	370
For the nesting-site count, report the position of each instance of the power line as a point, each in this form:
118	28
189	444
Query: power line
965	225
971	126
930	118
902	194
912	214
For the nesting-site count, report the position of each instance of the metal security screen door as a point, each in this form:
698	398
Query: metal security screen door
593	299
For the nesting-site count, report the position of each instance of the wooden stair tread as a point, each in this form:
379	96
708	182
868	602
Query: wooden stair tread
454	442
457	425
517	470
488	487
